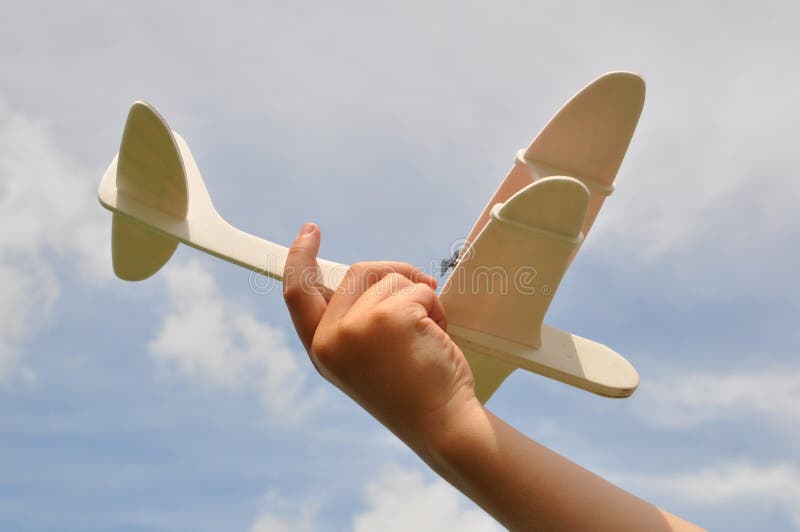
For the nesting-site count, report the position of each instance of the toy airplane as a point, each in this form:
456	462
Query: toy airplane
505	275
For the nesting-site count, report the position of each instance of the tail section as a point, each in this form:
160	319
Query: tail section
149	170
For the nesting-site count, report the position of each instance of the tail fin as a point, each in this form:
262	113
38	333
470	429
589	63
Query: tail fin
489	372
149	170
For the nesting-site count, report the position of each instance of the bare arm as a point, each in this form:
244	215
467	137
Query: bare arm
382	339
526	486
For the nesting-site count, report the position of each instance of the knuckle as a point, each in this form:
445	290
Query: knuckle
292	292
348	330
296	251
394	276
396	282
411	269
425	289
413	272
322	350
381	317
352	279
357	269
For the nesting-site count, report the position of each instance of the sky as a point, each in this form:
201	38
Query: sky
185	402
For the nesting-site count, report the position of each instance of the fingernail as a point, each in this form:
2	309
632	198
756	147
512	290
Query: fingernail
307	229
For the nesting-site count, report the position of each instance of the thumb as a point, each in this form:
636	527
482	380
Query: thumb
301	289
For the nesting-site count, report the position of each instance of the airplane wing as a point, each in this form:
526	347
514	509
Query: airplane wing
502	286
585	141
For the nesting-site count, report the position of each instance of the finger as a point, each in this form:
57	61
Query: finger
424	296
301	289
391	284
363	275
403	291
436	311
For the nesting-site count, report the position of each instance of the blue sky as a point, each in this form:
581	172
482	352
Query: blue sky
185	401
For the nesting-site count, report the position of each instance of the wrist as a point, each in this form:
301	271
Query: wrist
456	435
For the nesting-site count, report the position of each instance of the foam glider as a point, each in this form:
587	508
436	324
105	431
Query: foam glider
505	275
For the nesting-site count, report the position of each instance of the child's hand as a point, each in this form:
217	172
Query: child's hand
381	339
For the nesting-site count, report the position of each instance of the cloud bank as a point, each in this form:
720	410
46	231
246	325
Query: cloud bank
216	342
47	213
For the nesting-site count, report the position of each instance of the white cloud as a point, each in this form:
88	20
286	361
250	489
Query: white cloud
712	166
401	500
281	515
691	399
741	484
48	200
215	341
47	212
27	297
269	522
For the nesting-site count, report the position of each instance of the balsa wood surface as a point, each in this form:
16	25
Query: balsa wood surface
158	198
202	227
149	170
504	281
562	356
587	140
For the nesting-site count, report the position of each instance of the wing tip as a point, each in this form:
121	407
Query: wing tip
557	204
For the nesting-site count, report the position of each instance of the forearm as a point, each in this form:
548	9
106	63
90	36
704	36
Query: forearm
526	486
382	340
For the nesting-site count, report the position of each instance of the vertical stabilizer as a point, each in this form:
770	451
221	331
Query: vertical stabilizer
150	171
